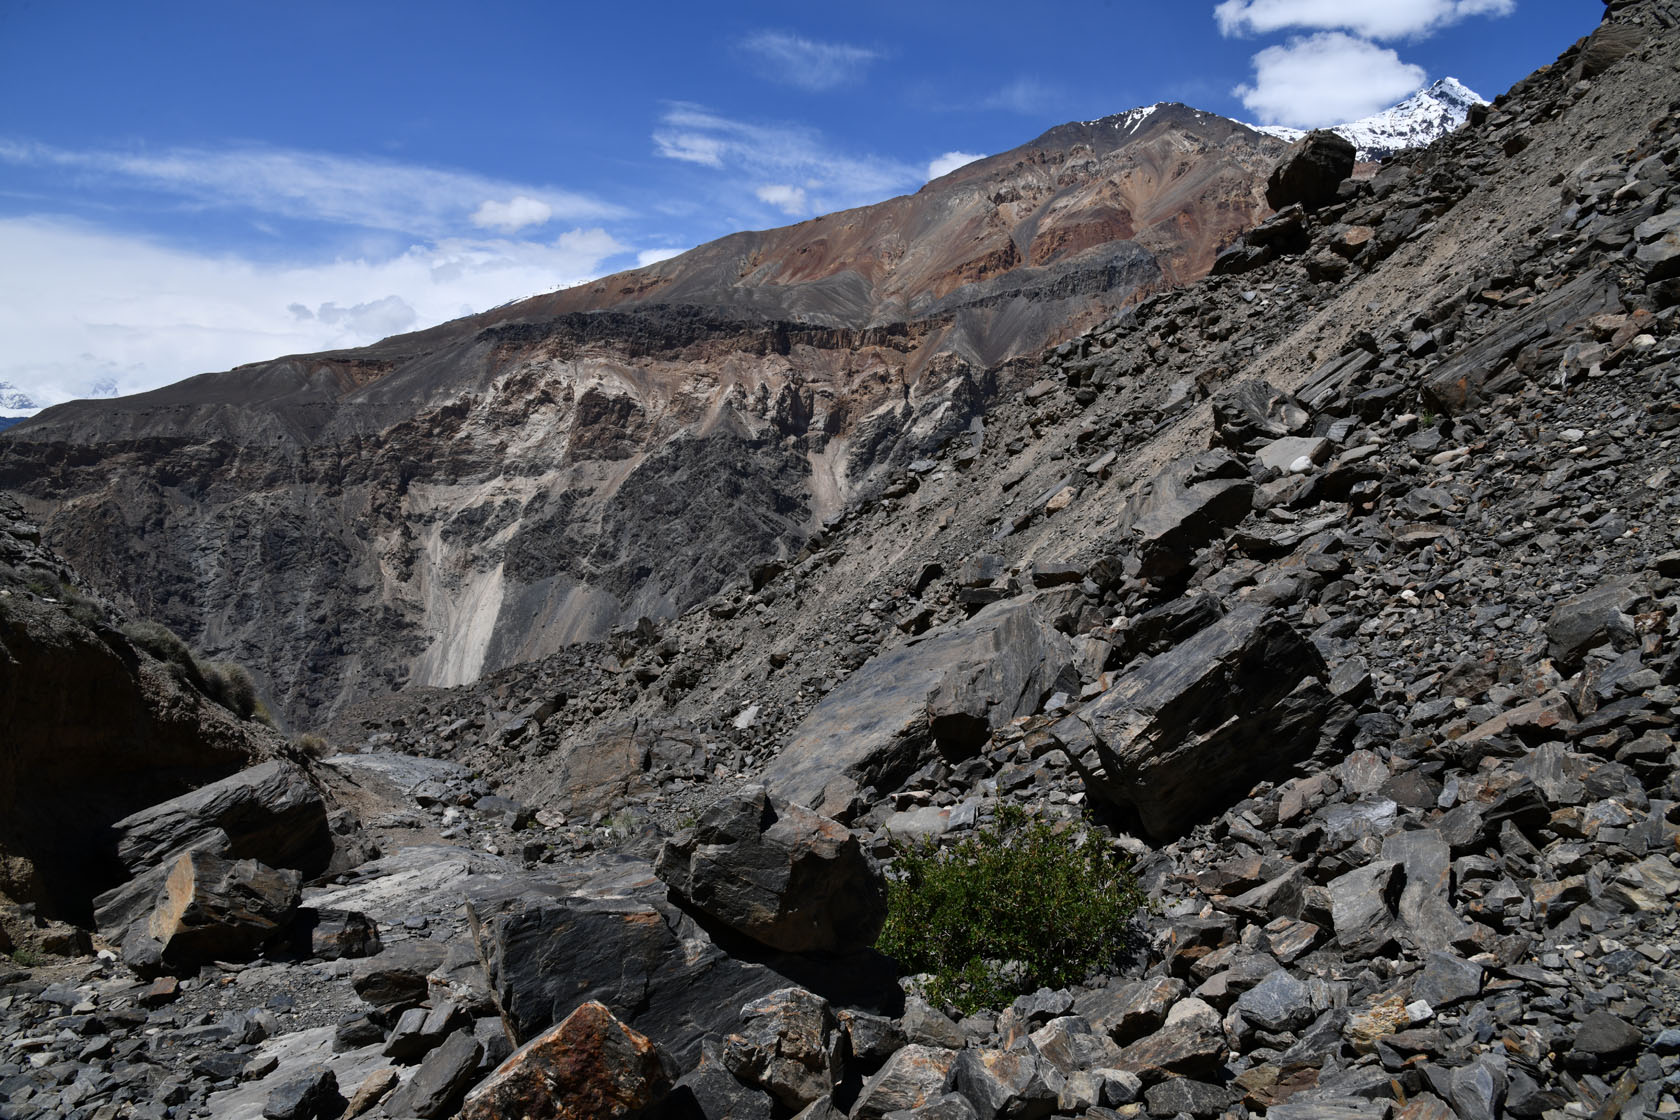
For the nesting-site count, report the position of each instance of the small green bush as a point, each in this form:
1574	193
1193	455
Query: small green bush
1018	906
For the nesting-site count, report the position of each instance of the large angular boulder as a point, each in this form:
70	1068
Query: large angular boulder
436	1089
1311	172
777	873
1255	412
1183	508
790	1045
211	909
1197	726
912	1078
1597	617
613	934
948	690
270	813
590	1067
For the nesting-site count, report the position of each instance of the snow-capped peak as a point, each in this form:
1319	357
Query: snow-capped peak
13	398
1429	113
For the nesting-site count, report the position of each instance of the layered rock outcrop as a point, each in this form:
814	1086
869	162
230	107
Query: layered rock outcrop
450	502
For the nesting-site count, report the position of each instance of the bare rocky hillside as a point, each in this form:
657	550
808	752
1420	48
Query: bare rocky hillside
1339	590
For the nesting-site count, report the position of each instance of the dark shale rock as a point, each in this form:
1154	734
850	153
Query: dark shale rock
438	1086
1192	728
270	813
1312	171
948	689
777	873
211	909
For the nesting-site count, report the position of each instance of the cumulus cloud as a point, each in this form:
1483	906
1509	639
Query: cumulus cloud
1326	78
1372	19
375	319
808	63
789	200
513	215
757	153
102	311
949	162
319	186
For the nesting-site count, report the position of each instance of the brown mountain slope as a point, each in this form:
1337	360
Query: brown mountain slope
470	496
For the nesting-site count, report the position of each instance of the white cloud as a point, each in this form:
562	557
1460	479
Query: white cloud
1324	79
318	186
1024	95
757	153
375	319
1372	19
654	256
96	307
789	200
949	162
513	215
807	63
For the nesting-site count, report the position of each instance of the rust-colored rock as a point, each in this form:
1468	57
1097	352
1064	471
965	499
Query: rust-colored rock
590	1067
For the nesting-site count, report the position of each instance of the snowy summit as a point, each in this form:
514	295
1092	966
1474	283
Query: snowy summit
1430	112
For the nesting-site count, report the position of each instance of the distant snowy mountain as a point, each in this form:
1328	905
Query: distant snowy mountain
13	398
1414	122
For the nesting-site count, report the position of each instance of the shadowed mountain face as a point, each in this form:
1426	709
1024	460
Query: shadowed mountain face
449	502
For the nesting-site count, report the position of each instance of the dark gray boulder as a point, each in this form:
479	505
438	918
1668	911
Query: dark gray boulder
210	909
615	936
948	690
1253	412
1311	172
1197	726
1181	509
1594	618
777	873
441	1083
270	812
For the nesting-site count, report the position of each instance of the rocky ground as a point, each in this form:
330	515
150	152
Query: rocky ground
1340	589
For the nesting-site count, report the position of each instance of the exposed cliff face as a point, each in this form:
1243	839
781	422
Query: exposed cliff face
92	728
464	498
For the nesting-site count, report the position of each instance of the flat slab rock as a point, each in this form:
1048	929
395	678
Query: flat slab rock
951	687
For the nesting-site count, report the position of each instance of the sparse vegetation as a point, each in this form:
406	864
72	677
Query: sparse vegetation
1020	905
26	958
230	686
165	645
226	683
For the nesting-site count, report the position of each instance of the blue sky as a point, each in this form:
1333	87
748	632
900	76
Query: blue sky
185	187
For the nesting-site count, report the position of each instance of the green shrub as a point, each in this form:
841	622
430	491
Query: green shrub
1018	906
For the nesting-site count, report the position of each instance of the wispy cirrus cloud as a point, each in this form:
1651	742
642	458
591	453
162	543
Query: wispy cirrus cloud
1027	96
794	164
1370	19
322	187
806	63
